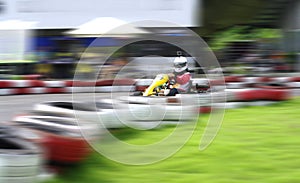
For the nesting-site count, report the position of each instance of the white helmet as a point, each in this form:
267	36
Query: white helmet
180	64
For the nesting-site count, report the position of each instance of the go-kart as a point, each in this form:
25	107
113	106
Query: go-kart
154	104
162	84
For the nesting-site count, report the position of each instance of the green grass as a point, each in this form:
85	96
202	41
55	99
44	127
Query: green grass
254	144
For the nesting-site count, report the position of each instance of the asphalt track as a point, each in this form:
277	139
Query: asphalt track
16	104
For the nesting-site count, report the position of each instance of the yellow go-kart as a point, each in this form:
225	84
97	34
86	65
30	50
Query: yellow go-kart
162	85
162	104
159	86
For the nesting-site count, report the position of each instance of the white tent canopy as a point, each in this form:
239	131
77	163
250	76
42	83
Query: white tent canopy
15	40
16	25
107	27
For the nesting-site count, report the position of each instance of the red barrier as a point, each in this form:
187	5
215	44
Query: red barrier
118	82
205	109
56	90
80	83
249	95
294	79
21	91
65	149
141	88
6	84
37	83
276	94
264	79
231	79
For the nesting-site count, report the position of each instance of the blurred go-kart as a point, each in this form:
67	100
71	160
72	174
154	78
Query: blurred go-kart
60	137
83	112
20	160
162	84
154	104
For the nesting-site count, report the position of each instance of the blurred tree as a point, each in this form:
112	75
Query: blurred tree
219	15
220	39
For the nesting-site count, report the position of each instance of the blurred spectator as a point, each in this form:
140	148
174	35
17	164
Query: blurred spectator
114	66
43	54
84	71
44	69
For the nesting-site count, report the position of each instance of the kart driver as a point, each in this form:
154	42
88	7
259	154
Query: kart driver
180	79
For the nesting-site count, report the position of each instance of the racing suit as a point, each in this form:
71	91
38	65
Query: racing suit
182	83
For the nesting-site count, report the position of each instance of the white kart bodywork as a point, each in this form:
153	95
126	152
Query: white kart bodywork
174	108
129	110
103	117
67	126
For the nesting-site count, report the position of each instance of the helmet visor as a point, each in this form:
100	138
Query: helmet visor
179	65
